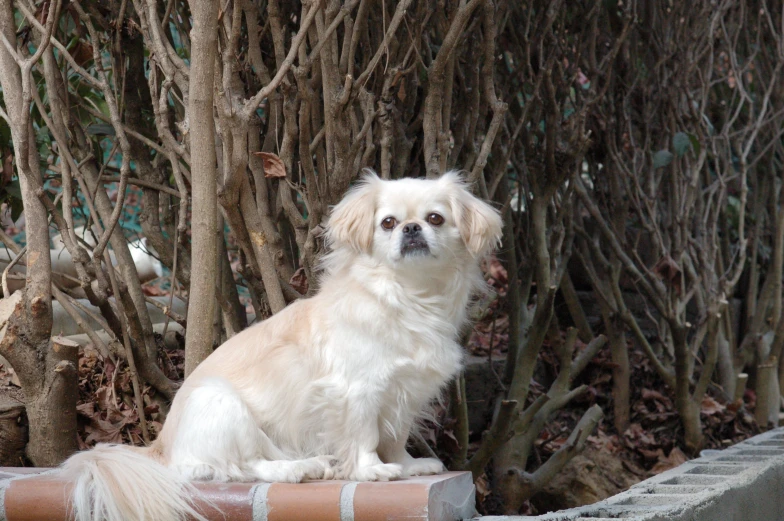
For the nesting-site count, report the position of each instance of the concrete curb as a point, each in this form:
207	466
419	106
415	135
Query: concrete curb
742	483
445	497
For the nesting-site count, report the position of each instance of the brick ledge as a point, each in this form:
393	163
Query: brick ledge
34	494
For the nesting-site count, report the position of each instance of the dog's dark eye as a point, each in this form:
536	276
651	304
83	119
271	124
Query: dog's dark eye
435	219
388	223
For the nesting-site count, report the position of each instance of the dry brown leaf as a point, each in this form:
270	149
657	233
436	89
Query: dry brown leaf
86	409
273	165
675	458
711	406
483	488
651	394
299	281
638	436
102	431
8	168
496	270
401	92
154	290
669	271
652	454
82	53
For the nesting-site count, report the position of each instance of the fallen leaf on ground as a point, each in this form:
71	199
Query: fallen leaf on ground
675	458
711	406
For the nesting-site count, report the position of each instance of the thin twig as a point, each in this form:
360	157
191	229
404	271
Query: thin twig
14	261
137	392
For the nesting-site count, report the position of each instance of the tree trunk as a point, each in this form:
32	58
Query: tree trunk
46	371
13	432
201	307
51	409
689	412
48	374
727	374
621	374
768	397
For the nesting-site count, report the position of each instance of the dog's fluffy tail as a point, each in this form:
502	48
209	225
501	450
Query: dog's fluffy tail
121	483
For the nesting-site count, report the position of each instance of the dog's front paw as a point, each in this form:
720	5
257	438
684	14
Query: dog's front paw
423	467
380	472
321	467
284	471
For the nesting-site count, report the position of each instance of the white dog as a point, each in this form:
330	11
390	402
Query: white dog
331	386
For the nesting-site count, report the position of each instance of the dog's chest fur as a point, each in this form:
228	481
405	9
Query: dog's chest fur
415	372
407	355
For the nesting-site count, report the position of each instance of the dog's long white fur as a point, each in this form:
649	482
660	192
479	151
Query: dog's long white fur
331	386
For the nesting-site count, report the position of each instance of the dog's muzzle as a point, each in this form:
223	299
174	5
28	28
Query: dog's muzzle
413	242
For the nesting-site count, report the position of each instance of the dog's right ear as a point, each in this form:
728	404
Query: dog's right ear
351	222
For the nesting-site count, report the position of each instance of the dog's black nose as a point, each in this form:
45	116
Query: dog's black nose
412	229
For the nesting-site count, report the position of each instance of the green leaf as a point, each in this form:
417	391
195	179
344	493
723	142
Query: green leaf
16	208
97	150
14	189
681	143
422	72
662	158
42	136
695	144
733	202
100	129
5	134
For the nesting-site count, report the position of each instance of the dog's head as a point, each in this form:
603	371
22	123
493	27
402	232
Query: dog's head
414	221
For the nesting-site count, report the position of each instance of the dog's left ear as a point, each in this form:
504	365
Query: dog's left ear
479	223
351	221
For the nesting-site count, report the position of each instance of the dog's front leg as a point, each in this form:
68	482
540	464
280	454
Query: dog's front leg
393	450
357	447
